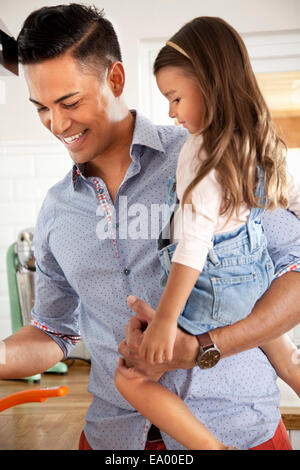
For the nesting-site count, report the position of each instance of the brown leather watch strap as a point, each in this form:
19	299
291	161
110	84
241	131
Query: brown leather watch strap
204	340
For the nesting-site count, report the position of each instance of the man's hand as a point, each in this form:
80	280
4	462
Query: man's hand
185	348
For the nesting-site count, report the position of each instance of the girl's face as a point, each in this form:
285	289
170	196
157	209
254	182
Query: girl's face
184	96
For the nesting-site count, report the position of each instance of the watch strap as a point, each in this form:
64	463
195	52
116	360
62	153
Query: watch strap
204	341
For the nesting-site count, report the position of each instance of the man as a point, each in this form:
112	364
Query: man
75	77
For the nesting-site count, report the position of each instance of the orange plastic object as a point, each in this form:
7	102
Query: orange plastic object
34	394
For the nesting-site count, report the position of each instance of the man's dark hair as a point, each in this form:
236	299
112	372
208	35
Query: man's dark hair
79	29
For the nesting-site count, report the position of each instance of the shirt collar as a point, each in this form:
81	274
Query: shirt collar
77	173
145	134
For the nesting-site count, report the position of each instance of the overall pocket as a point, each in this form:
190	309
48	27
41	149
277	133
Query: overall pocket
165	256
234	297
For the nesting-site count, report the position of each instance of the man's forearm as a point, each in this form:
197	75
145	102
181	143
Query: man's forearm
27	352
275	313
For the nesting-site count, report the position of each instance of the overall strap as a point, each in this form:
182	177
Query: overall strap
257	212
164	236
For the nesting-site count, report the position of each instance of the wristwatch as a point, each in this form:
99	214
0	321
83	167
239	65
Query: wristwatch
209	354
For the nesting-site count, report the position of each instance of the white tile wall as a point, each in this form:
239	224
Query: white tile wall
28	170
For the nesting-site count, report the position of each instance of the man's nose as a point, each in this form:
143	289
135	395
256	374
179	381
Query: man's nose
59	121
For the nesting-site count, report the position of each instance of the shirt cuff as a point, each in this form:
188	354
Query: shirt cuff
294	266
65	342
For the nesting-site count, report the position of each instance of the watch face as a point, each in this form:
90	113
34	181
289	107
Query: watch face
209	358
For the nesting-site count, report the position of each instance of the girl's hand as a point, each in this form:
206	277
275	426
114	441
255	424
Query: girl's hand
158	341
185	351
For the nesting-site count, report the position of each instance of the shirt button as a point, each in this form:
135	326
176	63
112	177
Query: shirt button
126	271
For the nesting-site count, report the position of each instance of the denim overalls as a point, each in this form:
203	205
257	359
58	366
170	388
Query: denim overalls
236	273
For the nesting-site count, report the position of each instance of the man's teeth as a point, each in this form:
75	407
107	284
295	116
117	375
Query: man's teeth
73	137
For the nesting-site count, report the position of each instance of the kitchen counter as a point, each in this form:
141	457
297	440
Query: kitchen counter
289	406
55	424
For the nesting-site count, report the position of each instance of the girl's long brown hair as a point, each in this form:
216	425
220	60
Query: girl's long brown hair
238	132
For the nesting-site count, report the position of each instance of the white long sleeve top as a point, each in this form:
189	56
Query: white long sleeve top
194	231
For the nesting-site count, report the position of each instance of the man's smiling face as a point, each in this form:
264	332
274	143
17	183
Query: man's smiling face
74	104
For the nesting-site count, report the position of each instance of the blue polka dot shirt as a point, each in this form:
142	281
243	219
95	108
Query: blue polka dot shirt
91	254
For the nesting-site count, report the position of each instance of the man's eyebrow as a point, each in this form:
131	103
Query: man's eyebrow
62	98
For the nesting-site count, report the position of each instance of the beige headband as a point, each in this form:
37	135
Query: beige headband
178	48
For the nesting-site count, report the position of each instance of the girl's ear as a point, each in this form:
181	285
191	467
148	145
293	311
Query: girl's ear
116	78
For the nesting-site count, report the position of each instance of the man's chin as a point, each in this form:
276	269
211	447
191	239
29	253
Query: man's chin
79	159
83	164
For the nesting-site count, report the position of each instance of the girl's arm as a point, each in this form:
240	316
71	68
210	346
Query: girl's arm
159	337
194	225
180	283
164	409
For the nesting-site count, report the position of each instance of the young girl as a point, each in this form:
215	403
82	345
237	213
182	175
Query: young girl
231	168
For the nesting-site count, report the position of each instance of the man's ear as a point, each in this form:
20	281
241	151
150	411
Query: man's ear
116	78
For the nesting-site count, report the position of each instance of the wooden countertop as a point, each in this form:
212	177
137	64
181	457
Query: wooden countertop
55	424
290	412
